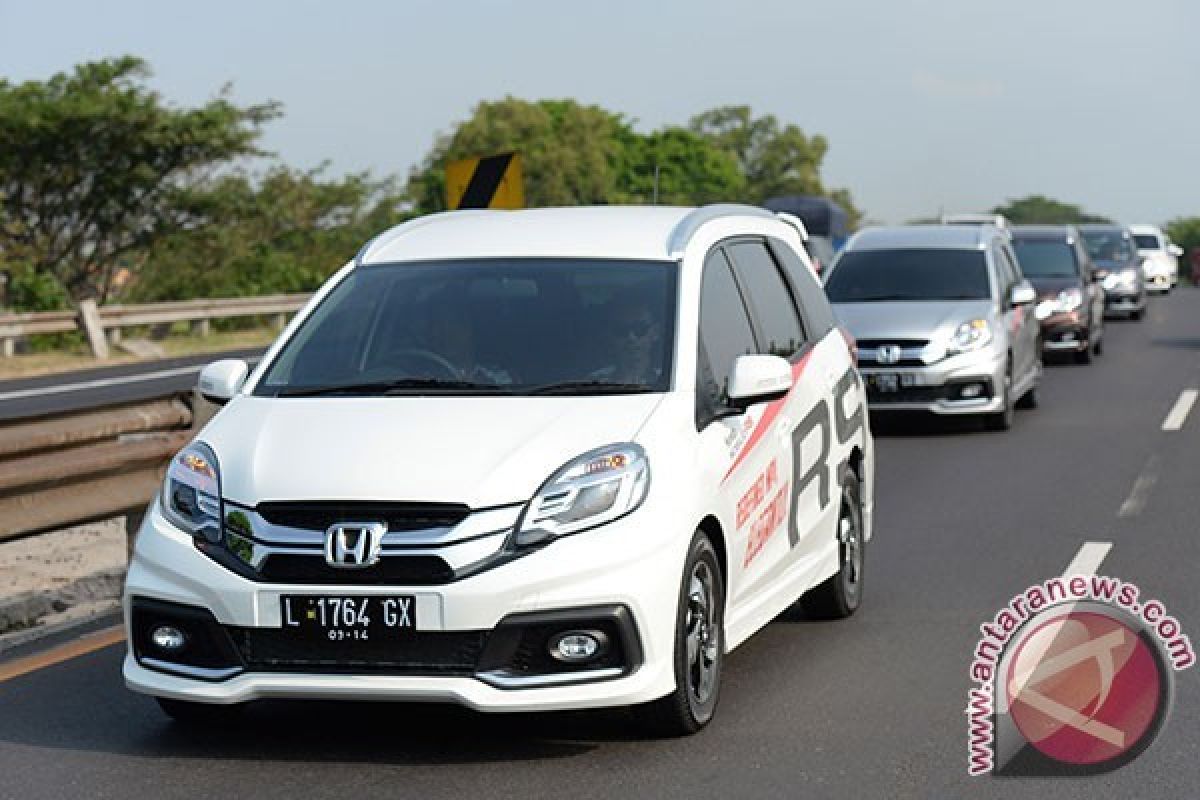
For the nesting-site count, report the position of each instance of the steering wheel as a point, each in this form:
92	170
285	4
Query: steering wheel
441	364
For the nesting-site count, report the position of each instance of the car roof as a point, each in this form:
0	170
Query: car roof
1063	232
1143	229
951	237
1102	226
656	233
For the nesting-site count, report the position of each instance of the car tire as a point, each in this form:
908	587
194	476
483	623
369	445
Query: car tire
1084	356
1135	315
1002	420
699	648
1098	347
841	595
1029	400
198	715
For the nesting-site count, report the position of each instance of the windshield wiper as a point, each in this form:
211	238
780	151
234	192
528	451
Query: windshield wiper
397	386
589	387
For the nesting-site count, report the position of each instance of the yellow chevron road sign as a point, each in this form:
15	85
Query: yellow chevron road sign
489	182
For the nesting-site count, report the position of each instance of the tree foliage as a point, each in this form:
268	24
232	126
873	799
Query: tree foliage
92	165
1038	209
286	232
574	154
1185	232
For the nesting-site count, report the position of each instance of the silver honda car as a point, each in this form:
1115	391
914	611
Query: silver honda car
943	320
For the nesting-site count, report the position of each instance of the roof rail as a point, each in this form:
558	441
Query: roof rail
687	227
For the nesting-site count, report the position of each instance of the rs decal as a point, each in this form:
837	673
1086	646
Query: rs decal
821	470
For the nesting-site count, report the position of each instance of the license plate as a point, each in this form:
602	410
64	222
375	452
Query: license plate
892	381
342	618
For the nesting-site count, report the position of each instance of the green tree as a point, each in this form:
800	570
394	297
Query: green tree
286	232
93	163
690	169
1185	232
774	159
1038	209
570	152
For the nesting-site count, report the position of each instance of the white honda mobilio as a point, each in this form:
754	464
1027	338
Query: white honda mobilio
517	460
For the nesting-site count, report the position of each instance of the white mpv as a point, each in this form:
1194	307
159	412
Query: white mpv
517	460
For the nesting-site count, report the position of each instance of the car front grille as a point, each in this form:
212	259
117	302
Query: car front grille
392	569
411	653
319	516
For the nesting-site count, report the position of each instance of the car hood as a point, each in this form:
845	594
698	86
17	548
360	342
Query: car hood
479	451
909	320
1050	287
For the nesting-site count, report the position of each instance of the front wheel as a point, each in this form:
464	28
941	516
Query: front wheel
841	595
1002	420
699	648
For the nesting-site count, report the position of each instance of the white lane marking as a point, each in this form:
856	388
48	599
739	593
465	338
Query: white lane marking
1178	413
99	383
1088	559
1140	492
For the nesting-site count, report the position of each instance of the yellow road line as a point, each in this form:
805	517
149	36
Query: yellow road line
88	643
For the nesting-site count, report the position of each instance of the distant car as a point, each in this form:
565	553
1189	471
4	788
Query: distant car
1161	265
1070	300
1119	268
998	220
943	320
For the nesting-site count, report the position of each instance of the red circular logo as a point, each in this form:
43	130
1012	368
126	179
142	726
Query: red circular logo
1084	688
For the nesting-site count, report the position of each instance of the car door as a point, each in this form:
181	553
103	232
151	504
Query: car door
1020	321
788	510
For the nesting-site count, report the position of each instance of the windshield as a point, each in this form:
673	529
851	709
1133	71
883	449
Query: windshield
1046	258
1146	241
1109	246
866	276
496	326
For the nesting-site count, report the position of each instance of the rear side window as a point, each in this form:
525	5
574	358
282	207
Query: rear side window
1146	241
725	334
769	298
818	316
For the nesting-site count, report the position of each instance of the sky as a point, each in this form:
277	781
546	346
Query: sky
927	105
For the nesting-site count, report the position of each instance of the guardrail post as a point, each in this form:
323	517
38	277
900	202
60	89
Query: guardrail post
89	317
201	328
9	347
280	321
114	336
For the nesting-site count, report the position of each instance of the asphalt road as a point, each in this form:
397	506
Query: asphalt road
105	386
867	707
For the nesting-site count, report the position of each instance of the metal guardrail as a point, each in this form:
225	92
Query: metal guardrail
67	470
103	324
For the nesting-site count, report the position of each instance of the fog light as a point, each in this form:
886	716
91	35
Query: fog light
577	647
168	638
971	390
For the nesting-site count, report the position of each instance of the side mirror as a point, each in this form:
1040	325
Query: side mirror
1023	294
758	379
221	380
1175	250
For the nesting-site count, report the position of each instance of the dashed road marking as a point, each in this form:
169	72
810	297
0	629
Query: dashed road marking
1140	493
1088	559
1179	412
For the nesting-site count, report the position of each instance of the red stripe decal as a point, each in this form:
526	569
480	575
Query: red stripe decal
768	417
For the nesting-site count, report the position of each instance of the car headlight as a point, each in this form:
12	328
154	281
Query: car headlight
191	493
1112	280
1067	301
596	488
973	334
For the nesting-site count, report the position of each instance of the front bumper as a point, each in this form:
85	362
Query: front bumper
938	388
1064	333
1117	302
620	566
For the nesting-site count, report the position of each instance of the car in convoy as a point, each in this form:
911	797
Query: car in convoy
943	320
1118	268
1161	264
1070	299
517	460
